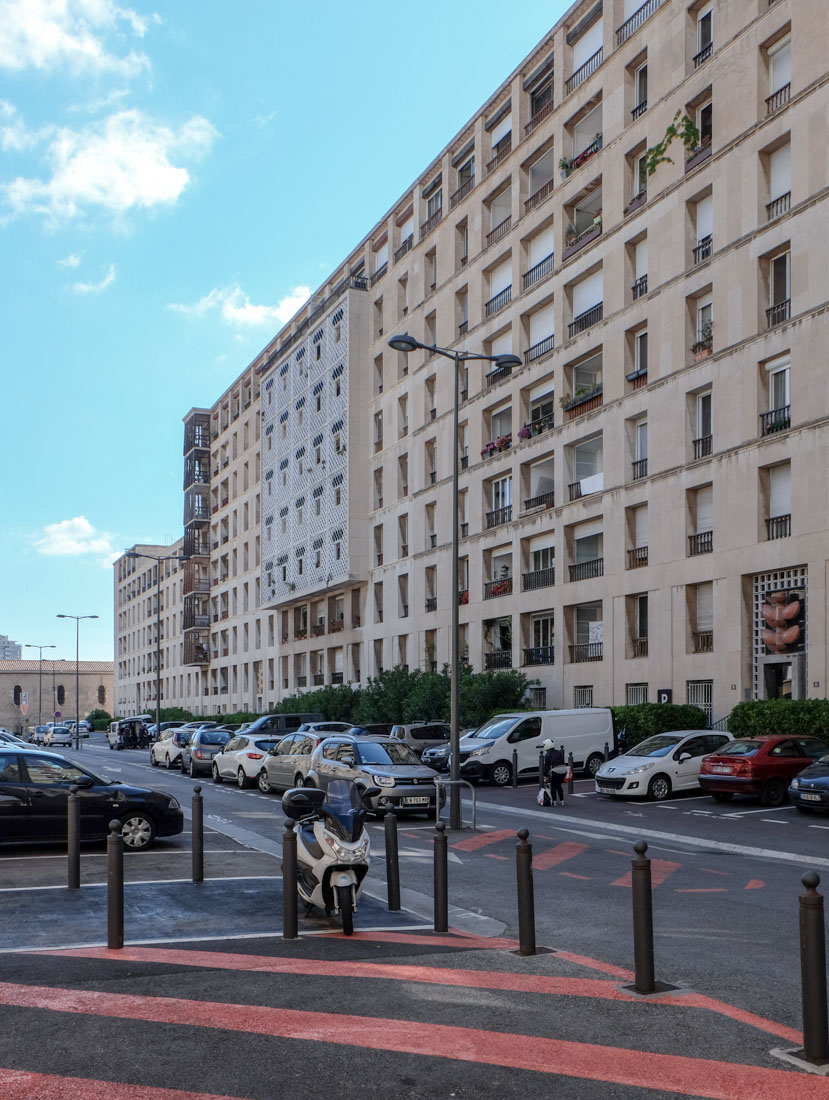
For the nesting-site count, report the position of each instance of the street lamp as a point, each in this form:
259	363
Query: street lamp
27	645
158	559
77	619
406	344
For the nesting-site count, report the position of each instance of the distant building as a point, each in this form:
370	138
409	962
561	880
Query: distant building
9	650
45	690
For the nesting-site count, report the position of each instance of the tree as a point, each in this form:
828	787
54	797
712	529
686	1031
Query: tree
99	719
429	698
483	694
384	697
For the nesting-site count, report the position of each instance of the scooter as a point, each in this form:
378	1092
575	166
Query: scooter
333	847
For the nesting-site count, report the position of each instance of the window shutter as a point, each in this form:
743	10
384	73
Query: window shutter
381	256
781	67
705	217
542	245
780	490
640	526
542	542
587	293
541	171
587	530
780	172
500	131
546	389
705	509
500	278
407	228
588	44
641	259
705	606
502	345
542	324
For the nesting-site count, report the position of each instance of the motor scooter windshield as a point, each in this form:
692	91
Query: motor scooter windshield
344	809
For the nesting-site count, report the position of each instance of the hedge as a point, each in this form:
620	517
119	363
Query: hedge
769	716
645	719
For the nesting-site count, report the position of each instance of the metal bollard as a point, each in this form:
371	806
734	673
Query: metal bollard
813	971
198	835
392	861
526	901
115	887
642	920
289	894
73	839
570	780
515	769
441	879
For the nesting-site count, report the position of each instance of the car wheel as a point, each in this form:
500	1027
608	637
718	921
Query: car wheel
722	796
138	832
216	777
264	782
153	761
242	781
501	773
168	762
299	780
774	793
594	762
191	771
659	788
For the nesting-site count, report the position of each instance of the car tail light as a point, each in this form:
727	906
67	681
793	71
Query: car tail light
255	755
197	754
742	767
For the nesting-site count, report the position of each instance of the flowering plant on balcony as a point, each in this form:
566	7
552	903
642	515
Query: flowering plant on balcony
501	588
488	449
705	344
464	598
300	635
525	432
503	442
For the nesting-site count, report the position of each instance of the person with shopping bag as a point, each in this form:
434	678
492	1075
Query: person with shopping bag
555	770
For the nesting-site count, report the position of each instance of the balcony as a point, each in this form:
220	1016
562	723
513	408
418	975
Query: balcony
499	516
538	272
639	110
430	223
577	241
775	420
378	274
541	348
464	462
336	626
318	679
463	328
336	677
498	302
632	25
581	158
778	99
536	426
537	197
461	192
540	655
317	630
637	557
584	570
581	74
639	647
702	446
499	231
703	641
433	540
585	320
498	658
503	152
539	117
703	249
498	375
640	287
779	313
464	530
696	158
405	247
778	527
493	589
584	403
431	603
538	578
586	651
779	206
543	500
701	543
703	55
640	468
463	596
638	200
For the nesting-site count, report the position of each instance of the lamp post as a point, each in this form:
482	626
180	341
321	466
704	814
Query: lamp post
158	559
39	675
406	344
77	619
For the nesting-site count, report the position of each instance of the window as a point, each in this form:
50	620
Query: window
701	613
780	74
583	696
502	493
640	447
704	219
102	695
704	121
704	429
778	416
640	269
640	351
542	97
779	309
640	90
61	695
587	468
466	173
635	694
780	181
542	172
434	203
705	34
638	533
779	518
704	329
543	557
702	518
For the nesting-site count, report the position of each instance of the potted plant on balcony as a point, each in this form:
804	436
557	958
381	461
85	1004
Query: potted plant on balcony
703	347
503	442
565	166
525	432
488	449
570	233
300	635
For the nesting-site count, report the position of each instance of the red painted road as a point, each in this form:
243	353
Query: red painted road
16	1084
551	857
660	870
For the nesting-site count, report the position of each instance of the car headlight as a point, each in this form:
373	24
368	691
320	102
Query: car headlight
479	752
795	783
384	780
642	768
344	854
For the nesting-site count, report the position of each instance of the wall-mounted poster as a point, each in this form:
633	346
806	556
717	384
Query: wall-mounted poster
784	615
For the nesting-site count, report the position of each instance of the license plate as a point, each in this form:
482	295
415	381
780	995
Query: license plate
419	801
811	797
606	790
721	768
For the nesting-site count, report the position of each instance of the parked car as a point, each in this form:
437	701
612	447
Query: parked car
39	733
809	790
242	758
324	727
282	723
164	726
129	733
660	764
167	750
7	738
759	766
34	787
286	765
377	762
420	736
198	753
59	735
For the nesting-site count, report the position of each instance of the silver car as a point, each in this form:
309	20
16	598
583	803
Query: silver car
405	784
287	763
421	735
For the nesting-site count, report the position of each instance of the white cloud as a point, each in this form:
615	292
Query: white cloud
57	34
118	164
72	260
14	137
236	308
96	288
76	538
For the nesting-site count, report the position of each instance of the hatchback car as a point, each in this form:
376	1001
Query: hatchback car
809	791
197	755
34	788
168	748
241	759
759	766
421	735
286	764
59	735
404	782
658	765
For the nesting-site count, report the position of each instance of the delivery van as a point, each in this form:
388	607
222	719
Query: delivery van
487	753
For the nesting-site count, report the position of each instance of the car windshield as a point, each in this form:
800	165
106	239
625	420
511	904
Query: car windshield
386	753
215	737
344	809
495	727
740	748
660	745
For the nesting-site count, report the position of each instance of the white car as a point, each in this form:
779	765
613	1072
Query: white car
660	764
168	748
59	735
242	757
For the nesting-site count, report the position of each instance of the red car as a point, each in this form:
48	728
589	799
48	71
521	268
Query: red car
759	766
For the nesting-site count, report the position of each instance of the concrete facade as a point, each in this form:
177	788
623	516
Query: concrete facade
50	687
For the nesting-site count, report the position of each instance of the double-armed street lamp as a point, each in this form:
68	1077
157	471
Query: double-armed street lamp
406	344
27	645
77	619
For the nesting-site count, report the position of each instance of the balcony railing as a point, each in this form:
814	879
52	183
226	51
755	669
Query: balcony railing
498	375
778	527
430	223
463	596
778	99
584	570
502	154
633	24
537	197
639	109
539	349
431	603
640	287
461	192
703	55
780	205
543	500
405	246
464	462
538	272
499	231
702	446
464	530
581	74
540	655
336	677
317	630
776	420
539	117
580	240
498	658
778	313
637	557
584	403
586	651
701	543
503	298
301	681
318	679
378	274
492	589
704	248
463	328
698	157
703	641
433	540
640	468
539	578
499	516
639	647
585	320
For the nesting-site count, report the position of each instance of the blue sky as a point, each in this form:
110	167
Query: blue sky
172	181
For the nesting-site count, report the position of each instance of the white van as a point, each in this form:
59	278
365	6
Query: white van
487	752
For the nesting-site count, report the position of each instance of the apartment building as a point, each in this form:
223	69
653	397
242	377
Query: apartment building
639	503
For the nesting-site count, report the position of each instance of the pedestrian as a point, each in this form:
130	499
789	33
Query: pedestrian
554	771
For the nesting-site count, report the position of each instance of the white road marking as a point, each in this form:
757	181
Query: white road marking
775	821
765	810
819	826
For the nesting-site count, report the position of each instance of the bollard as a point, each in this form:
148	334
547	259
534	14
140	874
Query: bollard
392	861
642	920
515	769
441	879
813	971
526	901
606	752
115	886
73	838
198	835
289	894
570	779
541	768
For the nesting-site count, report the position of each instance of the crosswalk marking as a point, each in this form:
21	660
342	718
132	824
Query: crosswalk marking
473	843
660	870
568	849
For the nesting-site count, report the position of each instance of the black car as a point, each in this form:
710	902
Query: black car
809	790
197	755
34	788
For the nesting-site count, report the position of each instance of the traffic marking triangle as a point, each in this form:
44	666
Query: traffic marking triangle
754	884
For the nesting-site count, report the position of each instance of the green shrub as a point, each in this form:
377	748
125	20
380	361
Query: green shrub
100	719
645	719
769	716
